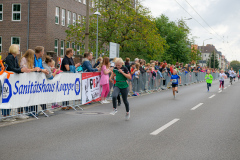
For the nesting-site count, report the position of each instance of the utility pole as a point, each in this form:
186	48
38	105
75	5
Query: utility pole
214	59
87	27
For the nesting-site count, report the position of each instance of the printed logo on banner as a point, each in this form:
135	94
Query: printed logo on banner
7	91
77	86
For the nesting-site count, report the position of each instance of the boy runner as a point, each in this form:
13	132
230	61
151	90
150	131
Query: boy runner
174	80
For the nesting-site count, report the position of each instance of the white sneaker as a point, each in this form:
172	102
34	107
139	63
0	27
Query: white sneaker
105	101
219	89
102	102
22	116
127	116
114	112
10	119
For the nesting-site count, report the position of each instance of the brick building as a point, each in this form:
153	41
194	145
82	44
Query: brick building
31	23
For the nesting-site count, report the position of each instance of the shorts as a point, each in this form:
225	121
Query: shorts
174	85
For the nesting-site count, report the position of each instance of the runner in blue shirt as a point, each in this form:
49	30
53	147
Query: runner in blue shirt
174	80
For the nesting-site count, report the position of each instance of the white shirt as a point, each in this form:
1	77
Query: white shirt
221	76
231	72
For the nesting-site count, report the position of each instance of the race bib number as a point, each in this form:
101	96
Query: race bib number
174	81
222	78
208	78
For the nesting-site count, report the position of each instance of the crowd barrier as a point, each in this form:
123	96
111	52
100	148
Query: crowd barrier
32	94
149	82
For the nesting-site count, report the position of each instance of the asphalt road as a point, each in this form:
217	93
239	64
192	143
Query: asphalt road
190	127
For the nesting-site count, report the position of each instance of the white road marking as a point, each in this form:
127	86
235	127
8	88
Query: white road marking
225	88
220	91
164	127
196	106
212	96
229	85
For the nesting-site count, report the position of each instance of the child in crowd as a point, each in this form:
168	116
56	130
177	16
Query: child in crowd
208	79
174	80
137	70
49	65
222	76
104	81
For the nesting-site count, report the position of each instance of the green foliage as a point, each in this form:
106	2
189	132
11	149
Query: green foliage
195	55
212	61
119	22
235	65
179	49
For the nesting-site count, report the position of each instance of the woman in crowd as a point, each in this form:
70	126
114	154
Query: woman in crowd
121	86
49	65
13	66
104	81
127	63
98	62
27	61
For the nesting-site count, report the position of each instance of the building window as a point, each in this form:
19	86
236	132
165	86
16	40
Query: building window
78	49
63	17
1	12
62	48
15	40
69	18
68	44
79	19
16	12
57	16
56	46
0	44
73	47
74	18
84	1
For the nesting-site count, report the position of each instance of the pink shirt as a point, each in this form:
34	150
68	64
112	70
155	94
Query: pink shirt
104	77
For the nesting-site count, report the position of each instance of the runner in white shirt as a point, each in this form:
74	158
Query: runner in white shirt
231	75
222	76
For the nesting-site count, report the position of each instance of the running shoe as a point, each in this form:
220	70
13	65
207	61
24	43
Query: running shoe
105	101
102	102
176	91
219	89
127	116
113	112
119	103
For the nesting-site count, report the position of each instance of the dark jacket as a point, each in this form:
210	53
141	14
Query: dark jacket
87	67
12	63
96	64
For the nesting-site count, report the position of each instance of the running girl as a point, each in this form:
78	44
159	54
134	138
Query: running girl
122	74
104	81
174	80
222	76
208	79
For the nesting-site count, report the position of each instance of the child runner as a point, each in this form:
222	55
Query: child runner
208	79
174	80
222	76
104	81
122	74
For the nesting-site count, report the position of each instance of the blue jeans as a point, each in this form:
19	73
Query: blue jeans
6	112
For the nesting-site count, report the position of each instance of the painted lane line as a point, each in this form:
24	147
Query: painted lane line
229	85
220	91
225	88
164	127
212	96
196	106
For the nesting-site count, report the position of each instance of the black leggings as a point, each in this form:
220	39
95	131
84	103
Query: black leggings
124	93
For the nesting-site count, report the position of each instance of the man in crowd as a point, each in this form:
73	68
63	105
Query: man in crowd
67	62
87	66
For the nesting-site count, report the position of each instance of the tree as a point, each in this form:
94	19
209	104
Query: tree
133	29
235	65
212	61
176	36
195	55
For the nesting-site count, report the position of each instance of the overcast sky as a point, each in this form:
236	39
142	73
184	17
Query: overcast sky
223	16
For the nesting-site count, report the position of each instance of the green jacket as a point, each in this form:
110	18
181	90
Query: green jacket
209	78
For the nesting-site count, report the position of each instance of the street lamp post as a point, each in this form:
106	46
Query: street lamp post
203	49
98	14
